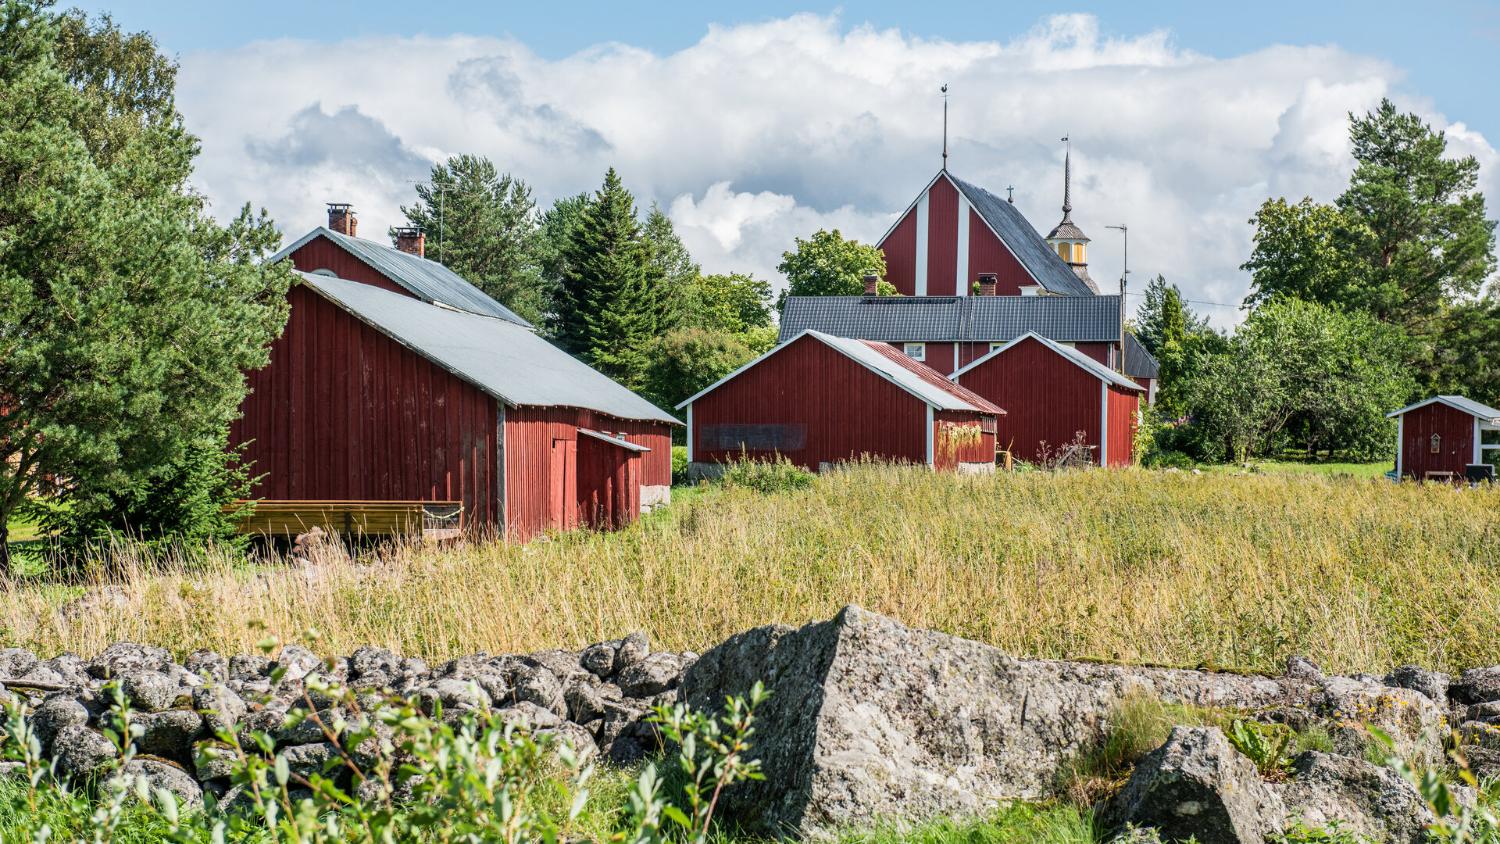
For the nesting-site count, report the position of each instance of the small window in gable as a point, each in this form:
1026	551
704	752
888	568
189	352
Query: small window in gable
916	351
994	346
325	271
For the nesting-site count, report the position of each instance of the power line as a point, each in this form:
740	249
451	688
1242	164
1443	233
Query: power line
1198	302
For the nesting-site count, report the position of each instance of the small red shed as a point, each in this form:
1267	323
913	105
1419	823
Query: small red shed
1440	438
396	380
1052	392
819	400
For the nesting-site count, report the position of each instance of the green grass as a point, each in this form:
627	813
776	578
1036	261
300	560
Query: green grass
1017	823
1376	469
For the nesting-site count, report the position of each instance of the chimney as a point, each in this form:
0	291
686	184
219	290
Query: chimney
872	284
341	218
411	240
988	282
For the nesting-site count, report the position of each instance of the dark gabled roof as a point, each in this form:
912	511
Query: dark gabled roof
427	280
1044	265
1073	356
503	358
944	319
1139	363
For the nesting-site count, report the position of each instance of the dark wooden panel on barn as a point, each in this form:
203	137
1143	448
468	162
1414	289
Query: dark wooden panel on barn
1046	398
320	253
900	248
942	238
987	254
344	413
817	404
1455	431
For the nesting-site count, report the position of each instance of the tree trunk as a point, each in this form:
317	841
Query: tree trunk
5	546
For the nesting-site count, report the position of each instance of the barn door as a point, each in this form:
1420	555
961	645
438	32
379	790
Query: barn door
562	485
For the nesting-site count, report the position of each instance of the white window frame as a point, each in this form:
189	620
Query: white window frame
920	348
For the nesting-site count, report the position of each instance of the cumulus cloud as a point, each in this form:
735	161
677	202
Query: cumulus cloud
762	132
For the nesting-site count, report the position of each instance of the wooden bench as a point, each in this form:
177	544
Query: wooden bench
426	519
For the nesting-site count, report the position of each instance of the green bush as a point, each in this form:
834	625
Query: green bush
778	475
679	465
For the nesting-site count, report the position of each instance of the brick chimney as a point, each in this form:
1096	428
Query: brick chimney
411	240
988	282
341	218
872	284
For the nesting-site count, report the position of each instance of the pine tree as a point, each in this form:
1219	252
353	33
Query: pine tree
674	266
610	302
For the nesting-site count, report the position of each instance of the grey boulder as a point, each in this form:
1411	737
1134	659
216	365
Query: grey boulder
81	752
169	777
1196	786
1368	800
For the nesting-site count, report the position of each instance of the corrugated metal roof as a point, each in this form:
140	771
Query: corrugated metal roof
1139	363
1473	408
1094	367
910	376
1049	269
427	280
503	358
600	435
931	376
948	319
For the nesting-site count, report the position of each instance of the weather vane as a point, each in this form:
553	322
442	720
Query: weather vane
945	126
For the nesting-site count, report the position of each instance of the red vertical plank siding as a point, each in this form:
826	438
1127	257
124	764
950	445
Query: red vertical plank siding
940	357
970	352
842	409
946	454
529	434
987	254
1123	405
1046	398
1456	429
942	238
900	248
331	418
1102	352
320	253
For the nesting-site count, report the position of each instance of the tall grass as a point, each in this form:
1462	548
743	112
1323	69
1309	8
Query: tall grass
1124	565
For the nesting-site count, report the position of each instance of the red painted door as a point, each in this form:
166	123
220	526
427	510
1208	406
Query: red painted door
562	485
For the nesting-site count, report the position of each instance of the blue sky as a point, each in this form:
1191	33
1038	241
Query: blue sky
751	128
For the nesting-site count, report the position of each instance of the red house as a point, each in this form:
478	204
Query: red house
1052	393
1442	437
820	400
397	380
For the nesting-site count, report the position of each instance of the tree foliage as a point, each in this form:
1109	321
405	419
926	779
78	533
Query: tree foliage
685	360
612	301
1177	338
483	225
827	264
127	315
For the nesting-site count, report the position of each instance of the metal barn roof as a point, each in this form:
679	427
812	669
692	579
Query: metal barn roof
1484	412
914	378
427	280
1139	363
501	357
1023	240
962	319
1094	367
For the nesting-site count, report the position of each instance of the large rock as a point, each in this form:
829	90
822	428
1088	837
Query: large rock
170	777
869	720
1198	787
1476	685
1369	800
169	734
81	752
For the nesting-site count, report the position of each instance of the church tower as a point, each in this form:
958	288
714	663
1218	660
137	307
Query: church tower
1069	241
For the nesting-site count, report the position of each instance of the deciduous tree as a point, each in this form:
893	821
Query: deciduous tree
828	264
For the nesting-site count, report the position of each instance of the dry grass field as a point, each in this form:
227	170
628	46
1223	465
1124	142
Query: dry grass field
1167	567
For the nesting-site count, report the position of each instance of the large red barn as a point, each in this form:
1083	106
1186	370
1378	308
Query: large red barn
819	400
1440	438
1052	393
403	382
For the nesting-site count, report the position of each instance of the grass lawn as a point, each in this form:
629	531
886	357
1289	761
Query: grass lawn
1376	469
1238	570
22	530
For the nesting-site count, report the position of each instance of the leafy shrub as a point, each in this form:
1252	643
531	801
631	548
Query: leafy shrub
779	475
1264	744
1137	725
679	465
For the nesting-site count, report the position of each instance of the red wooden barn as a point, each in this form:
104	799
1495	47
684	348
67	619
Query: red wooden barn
1051	393
406	383
1440	438
820	400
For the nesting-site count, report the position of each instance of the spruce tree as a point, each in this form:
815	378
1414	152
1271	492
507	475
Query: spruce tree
610	302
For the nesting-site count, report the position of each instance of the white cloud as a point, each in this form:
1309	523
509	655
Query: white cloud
762	132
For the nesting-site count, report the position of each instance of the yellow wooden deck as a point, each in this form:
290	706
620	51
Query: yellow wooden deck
351	518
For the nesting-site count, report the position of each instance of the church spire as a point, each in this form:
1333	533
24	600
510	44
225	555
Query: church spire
945	127
1068	181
